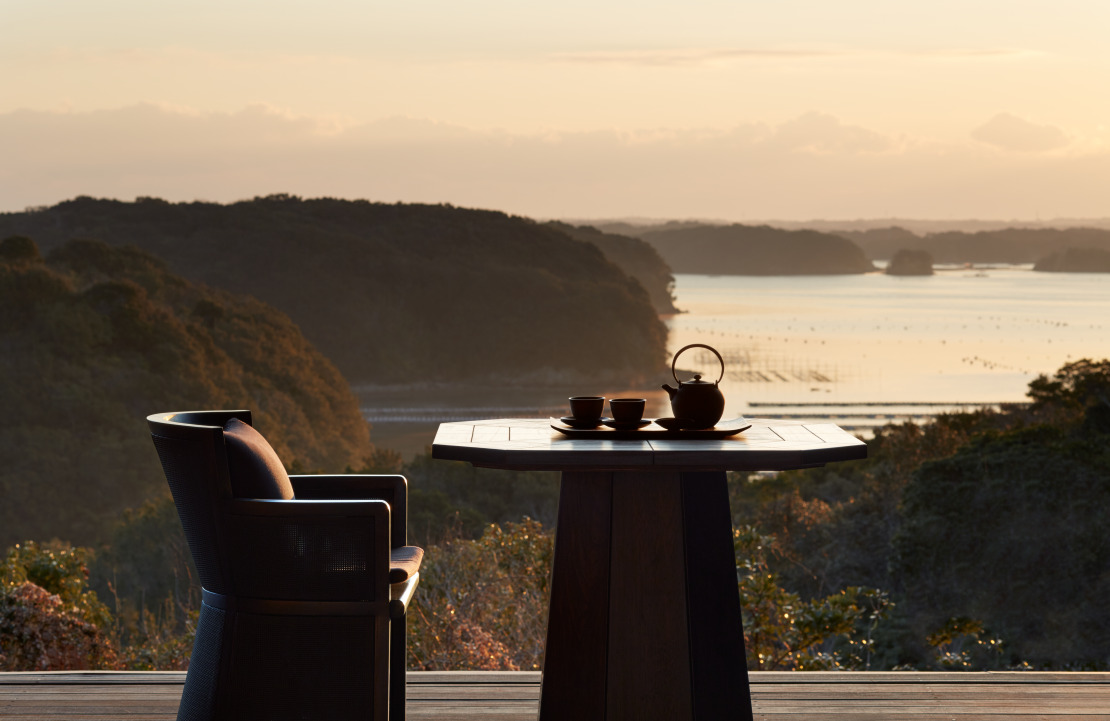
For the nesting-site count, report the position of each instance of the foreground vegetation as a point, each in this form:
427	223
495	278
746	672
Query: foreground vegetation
974	542
988	524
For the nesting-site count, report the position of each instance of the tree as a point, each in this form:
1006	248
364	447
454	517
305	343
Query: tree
1074	388
783	632
96	338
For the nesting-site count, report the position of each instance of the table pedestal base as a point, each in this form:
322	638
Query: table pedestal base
645	611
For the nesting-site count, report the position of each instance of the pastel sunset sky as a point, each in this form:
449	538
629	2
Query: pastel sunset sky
722	109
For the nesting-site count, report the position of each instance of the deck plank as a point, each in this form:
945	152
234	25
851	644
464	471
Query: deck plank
511	696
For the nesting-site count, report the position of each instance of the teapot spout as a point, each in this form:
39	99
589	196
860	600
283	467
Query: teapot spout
670	391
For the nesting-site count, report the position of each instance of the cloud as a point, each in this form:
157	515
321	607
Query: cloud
811	166
685	56
976	53
401	129
1010	132
691	57
824	133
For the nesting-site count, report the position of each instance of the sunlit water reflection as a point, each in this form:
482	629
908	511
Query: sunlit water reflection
860	349
960	336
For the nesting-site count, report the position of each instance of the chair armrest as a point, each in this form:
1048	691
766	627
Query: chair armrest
400	594
404	562
392	489
309	550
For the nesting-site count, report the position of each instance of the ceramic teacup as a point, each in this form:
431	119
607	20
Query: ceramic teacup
627	410
587	408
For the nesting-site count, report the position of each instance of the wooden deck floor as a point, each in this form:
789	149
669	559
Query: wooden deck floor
459	695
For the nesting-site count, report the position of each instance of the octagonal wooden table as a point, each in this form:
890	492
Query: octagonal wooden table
644	621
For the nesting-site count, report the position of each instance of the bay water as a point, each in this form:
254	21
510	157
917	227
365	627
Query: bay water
860	350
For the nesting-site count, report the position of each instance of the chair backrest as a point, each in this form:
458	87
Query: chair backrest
191	448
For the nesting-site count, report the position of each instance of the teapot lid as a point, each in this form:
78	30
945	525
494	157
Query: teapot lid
697	381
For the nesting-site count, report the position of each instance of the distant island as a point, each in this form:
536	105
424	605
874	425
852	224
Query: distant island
756	250
397	293
1076	260
910	262
1012	245
954	242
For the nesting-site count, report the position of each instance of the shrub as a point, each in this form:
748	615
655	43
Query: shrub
49	619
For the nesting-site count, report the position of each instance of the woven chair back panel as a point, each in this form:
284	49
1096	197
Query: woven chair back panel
302	668
328	558
355	488
199	696
190	468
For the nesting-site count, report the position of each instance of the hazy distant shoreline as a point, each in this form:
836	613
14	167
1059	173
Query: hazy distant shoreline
740	248
915	225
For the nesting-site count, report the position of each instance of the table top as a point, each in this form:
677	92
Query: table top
532	444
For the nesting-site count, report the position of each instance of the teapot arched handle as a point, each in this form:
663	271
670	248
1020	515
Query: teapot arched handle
697	345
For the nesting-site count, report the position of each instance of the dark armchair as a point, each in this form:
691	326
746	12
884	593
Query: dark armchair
307	579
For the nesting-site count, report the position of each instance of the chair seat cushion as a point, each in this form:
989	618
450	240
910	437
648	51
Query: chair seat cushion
256	470
404	562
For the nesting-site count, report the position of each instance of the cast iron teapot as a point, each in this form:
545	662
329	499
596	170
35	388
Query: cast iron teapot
697	404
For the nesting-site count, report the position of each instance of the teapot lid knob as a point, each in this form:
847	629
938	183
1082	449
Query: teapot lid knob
697	377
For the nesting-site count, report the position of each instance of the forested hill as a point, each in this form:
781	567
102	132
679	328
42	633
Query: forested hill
756	250
395	293
1076	260
1013	245
95	339
635	257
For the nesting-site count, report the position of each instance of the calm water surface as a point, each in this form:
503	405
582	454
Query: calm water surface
860	349
958	336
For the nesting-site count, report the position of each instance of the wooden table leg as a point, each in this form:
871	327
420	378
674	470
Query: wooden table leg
718	665
645	612
575	656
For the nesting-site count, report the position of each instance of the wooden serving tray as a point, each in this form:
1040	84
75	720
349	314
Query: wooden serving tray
724	429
